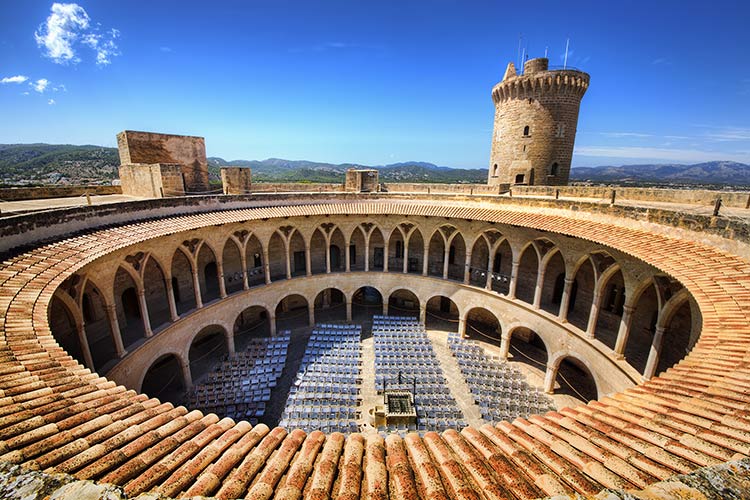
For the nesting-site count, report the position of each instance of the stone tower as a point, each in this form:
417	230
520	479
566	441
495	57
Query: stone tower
536	114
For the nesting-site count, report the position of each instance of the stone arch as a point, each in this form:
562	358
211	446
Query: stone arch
164	378
642	325
207	348
415	256
574	377
298	253
254	261
318	248
376	245
357	249
612	299
208	273
396	250
231	258
582	294
528	269
482	324
436	254
277	256
336	249
65	323
367	301
554	282
526	346
292	311
155	290
501	266
442	313
253	321
403	302
127	304
676	318
456	256
182	281
96	324
480	265
330	306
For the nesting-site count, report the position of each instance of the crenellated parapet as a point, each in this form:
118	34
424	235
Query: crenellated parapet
568	82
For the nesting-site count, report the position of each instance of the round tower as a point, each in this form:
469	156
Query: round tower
536	114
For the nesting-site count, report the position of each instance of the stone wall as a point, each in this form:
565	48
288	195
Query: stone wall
40	193
236	180
152	181
429	188
295	187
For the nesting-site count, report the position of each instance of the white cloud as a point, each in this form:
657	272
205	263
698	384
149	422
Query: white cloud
67	27
14	79
165	49
730	134
24	93
51	102
40	85
666	154
625	134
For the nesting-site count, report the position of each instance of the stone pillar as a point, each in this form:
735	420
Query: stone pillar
423	313
272	324
230	344
539	287
594	315
243	261
426	259
186	375
385	259
328	257
624	331
311	316
549	379
114	328
385	308
266	265
406	258
347	257
653	356
462	327
222	284
85	349
172	304
349	310
488	283
446	256
504	345
288	260
467	268
144	313
565	300
197	290
367	253
513	279
308	260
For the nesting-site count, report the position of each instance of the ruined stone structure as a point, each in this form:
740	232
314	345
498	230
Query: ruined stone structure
362	180
652	308
162	165
236	180
536	115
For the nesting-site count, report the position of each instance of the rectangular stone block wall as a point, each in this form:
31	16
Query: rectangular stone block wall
236	180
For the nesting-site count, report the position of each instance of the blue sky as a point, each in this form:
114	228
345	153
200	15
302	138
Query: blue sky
373	82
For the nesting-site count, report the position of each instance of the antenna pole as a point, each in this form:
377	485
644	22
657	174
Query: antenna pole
520	37
545	52
567	44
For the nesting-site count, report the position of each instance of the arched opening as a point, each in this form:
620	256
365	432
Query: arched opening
366	302
526	131
207	349
502	267
582	295
436	255
403	302
338	245
208	275
357	250
292	312
494	170
98	332
610	310
154	284
182	283
396	251
416	252
318	252
677	340
330	306
554	282
251	323
277	257
457	258
554	169
482	324
256	273
164	380
128	309
527	272
297	252
64	329
377	250
528	348
478	271
575	379
642	328
442	314
231	260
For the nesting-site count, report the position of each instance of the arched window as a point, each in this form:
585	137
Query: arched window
494	170
526	131
554	169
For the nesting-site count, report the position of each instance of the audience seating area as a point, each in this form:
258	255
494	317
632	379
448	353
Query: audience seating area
402	345
241	385
500	391
325	395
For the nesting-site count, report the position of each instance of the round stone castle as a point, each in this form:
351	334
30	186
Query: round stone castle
536	115
649	304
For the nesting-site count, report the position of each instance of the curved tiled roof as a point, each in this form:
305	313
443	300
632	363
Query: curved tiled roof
56	416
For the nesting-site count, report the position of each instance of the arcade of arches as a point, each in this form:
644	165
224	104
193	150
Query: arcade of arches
578	310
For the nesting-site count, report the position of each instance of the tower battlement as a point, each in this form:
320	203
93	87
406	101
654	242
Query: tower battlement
536	115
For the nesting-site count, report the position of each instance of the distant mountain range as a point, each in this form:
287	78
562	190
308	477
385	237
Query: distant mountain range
40	164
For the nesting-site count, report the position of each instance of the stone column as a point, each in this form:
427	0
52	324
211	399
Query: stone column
114	328
347	257
549	379
222	284
653	356
367	253
288	251
385	308
144	313
230	344
308	260
311	316
266	266
385	258
467	268
513	279
85	349
462	327
488	283
539	287
624	331
197	290
243	262
423	313
272	324
446	256
186	375
504	345
172	304
349	310
328	257
406	258
594	315
426	259
565	300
